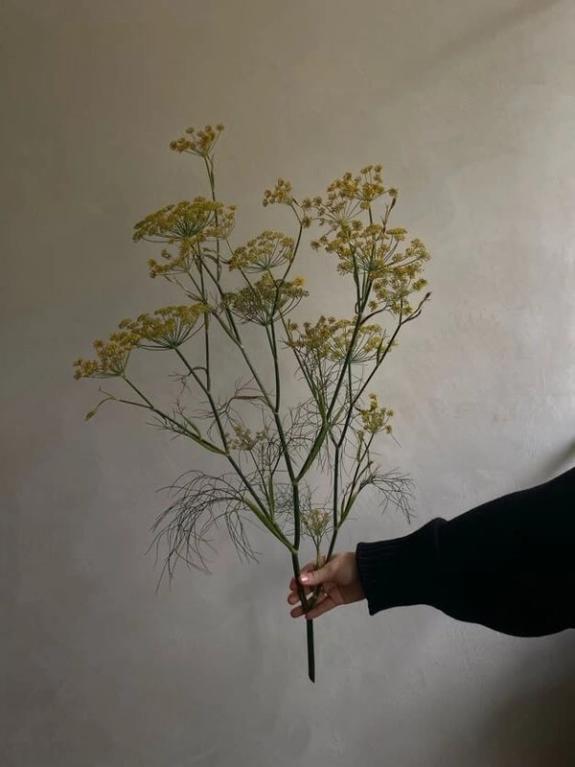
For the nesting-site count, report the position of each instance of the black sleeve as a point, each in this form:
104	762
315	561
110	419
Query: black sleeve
508	564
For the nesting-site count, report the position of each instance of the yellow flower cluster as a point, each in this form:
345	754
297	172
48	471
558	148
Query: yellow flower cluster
398	233
317	339
201	143
281	193
262	300
188	254
373	250
400	280
347	195
112	358
167	328
244	439
181	262
265	251
316	522
367	343
329	339
365	188
374	417
368	247
194	222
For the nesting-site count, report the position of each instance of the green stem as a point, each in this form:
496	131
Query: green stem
310	650
206	329
270	405
199	440
306	606
211	176
262	511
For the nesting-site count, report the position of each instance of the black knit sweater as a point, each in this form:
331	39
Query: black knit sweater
508	564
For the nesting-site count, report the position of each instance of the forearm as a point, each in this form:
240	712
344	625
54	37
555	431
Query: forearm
508	564
531	529
524	604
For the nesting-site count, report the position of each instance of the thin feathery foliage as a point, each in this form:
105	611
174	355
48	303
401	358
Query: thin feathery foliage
273	460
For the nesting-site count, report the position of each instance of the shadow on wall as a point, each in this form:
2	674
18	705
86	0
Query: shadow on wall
562	460
533	725
476	35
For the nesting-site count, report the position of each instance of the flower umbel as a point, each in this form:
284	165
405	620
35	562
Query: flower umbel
245	439
201	142
280	194
375	418
112	357
194	222
265	251
262	301
329	339
167	328
316	523
372	251
348	195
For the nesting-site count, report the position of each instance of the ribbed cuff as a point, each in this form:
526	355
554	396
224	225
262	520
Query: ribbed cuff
400	571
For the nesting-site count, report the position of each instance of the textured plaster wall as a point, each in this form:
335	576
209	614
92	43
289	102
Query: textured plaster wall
469	106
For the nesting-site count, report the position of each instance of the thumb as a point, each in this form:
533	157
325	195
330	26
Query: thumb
314	577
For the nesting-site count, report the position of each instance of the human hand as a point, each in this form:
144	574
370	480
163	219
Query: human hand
340	583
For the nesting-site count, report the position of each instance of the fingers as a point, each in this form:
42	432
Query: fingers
323	605
305	569
324	602
293	596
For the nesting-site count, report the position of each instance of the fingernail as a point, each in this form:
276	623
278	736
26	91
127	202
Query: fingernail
304	578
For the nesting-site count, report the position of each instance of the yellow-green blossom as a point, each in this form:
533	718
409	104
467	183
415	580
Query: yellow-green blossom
350	194
201	142
265	251
181	262
393	287
329	338
112	357
167	328
261	301
281	194
315	523
372	251
375	418
195	221
369	251
244	438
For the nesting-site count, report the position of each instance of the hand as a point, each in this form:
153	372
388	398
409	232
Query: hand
340	583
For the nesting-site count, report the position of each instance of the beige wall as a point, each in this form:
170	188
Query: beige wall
469	106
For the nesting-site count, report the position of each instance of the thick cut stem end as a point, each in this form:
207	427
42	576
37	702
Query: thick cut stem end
310	651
